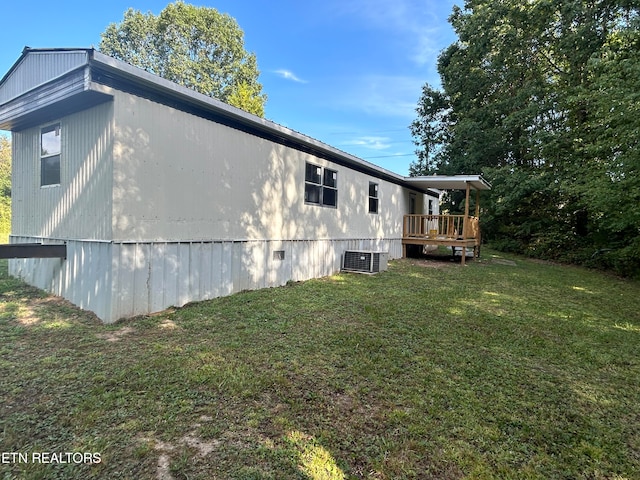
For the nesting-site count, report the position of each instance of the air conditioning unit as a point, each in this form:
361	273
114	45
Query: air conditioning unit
364	262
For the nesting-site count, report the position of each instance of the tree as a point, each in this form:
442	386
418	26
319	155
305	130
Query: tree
197	47
542	97
5	185
430	130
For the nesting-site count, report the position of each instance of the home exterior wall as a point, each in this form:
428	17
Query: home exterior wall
159	208
80	207
178	176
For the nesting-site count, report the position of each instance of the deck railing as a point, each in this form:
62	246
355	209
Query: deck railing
451	227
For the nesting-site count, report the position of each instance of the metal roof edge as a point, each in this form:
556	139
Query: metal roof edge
249	119
451	182
140	77
15	65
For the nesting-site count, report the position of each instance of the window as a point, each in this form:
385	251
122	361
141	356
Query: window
320	186
50	147
373	197
312	184
430	207
330	188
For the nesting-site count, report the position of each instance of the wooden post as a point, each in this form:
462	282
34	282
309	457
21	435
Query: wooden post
466	211
465	223
476	247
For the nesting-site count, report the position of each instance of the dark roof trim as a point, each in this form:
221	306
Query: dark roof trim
105	70
105	77
61	96
122	76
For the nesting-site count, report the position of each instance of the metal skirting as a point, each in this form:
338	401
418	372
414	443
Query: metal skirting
124	279
33	250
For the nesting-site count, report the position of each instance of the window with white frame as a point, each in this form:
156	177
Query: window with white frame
320	186
373	197
50	148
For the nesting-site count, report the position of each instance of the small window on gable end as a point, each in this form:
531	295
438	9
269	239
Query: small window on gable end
50	149
373	197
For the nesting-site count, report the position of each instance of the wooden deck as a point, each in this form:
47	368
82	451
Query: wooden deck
456	231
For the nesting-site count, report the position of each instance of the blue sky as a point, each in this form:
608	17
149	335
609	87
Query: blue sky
346	72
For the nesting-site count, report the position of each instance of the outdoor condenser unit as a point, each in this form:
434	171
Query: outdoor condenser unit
364	262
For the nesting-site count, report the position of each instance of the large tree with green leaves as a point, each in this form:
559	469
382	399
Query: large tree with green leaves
197	47
542	97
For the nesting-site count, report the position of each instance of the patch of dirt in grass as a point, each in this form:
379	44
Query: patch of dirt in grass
202	447
31	307
162	472
504	261
116	335
27	316
168	324
430	262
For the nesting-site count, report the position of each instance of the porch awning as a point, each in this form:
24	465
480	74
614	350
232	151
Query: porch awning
450	182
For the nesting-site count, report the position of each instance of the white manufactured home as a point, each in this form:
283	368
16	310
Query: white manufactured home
163	196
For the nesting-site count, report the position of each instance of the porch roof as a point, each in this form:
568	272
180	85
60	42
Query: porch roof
449	182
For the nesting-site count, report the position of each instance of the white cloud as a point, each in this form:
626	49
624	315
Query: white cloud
289	75
370	142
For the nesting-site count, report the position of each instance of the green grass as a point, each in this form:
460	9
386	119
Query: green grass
506	368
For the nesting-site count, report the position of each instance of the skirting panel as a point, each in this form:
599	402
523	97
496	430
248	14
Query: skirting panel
117	280
84	277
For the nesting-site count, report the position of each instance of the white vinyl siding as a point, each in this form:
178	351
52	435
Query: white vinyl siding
82	208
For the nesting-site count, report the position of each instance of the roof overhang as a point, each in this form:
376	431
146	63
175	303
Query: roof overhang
67	94
33	92
449	182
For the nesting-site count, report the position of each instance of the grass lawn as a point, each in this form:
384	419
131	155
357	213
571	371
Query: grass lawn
505	368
